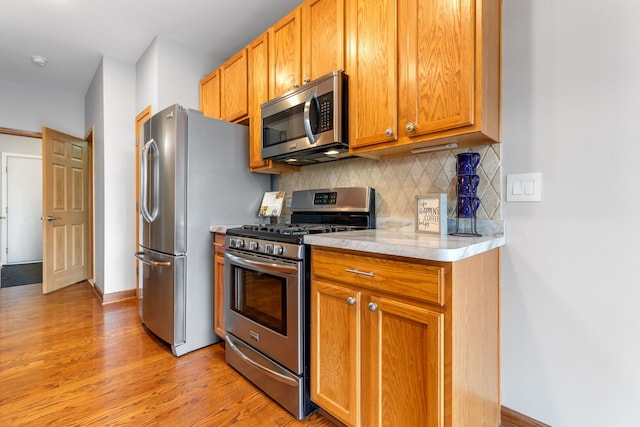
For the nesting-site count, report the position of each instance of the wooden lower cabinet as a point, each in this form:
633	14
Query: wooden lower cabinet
381	358
218	285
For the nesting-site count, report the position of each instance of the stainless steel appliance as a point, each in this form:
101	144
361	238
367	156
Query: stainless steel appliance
193	174
267	293
308	124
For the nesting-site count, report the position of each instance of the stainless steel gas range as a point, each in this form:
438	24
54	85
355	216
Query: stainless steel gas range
267	290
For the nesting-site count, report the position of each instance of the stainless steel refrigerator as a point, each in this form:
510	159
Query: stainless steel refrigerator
193	174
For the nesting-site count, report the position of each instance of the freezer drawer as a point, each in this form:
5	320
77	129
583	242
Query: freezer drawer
162	295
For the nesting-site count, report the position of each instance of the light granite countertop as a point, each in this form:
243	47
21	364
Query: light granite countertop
221	228
409	243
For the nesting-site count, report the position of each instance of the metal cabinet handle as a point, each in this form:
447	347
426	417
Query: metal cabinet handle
410	127
351	300
373	306
355	271
388	132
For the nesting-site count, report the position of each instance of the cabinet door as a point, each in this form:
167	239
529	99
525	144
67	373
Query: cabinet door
284	54
259	71
322	38
371	65
436	65
259	94
210	95
335	350
218	286
233	83
403	367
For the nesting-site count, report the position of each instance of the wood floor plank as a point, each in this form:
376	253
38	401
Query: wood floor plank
67	360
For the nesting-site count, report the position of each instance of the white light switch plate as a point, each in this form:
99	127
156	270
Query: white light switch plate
524	187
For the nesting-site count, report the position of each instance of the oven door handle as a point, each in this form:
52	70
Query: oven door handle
275	375
264	267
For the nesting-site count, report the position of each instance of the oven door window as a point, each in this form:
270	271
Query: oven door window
260	297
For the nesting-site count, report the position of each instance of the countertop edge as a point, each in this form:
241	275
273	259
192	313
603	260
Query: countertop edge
410	245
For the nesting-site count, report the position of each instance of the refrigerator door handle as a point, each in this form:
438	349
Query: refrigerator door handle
149	215
150	261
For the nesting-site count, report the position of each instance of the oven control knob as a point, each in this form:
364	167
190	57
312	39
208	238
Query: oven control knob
254	246
268	248
277	250
239	243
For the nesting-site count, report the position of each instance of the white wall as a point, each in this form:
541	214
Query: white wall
169	73
571	323
111	109
94	115
180	70
30	108
147	78
119	158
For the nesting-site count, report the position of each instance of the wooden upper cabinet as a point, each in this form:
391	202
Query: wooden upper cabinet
284	54
210	95
447	86
323	35
371	65
258	54
437	69
234	94
259	71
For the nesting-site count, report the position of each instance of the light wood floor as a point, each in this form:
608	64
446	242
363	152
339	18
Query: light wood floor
67	360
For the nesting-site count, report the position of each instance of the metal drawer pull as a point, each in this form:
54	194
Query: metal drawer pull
363	273
149	261
373	306
351	300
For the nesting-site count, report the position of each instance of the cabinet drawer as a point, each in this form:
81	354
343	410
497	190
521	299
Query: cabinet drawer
404	278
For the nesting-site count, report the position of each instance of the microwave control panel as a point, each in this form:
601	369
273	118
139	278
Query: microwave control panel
325	113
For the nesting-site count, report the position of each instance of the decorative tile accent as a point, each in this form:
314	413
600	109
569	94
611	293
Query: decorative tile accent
399	181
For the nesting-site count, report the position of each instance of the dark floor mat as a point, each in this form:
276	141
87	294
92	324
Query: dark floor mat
21	274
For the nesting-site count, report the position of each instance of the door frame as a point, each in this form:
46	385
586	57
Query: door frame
4	242
90	139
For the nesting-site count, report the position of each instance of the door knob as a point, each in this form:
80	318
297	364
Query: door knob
49	218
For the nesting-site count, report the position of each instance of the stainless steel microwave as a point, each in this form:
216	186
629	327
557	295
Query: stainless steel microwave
308	124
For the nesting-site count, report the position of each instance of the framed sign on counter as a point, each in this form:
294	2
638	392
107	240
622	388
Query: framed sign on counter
431	213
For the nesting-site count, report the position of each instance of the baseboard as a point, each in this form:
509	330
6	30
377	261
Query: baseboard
511	418
112	297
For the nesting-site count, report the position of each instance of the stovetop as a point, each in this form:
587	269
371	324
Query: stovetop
287	233
313	212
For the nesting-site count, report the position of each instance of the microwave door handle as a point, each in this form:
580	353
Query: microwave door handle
306	116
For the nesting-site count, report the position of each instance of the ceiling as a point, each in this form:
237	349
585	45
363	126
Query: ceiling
73	35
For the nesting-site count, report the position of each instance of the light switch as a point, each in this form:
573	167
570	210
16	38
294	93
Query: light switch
516	188
529	187
524	187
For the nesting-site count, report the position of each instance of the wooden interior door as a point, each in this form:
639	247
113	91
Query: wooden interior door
66	210
142	117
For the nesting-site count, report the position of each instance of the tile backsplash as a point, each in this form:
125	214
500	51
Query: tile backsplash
399	181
